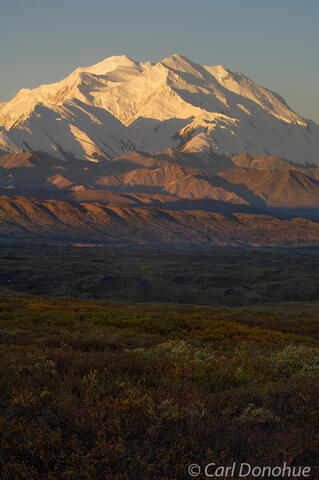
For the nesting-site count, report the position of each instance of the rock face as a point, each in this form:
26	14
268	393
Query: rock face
119	105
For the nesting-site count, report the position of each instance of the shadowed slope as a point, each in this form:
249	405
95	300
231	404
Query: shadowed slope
290	188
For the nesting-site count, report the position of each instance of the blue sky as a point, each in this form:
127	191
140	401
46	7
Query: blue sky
274	43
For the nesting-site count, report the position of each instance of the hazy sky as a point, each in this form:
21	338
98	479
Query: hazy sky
275	43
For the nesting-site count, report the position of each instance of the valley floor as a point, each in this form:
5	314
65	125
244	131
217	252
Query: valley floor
211	276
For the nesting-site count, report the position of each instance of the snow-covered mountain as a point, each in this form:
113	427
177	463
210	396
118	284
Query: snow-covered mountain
119	105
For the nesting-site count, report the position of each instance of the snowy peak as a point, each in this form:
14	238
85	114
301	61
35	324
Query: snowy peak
118	105
180	63
78	85
112	63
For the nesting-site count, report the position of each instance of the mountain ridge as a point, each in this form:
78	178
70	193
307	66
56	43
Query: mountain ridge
263	182
29	219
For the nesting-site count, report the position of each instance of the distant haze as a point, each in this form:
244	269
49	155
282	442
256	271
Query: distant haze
274	43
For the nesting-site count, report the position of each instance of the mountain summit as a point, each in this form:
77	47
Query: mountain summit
119	105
